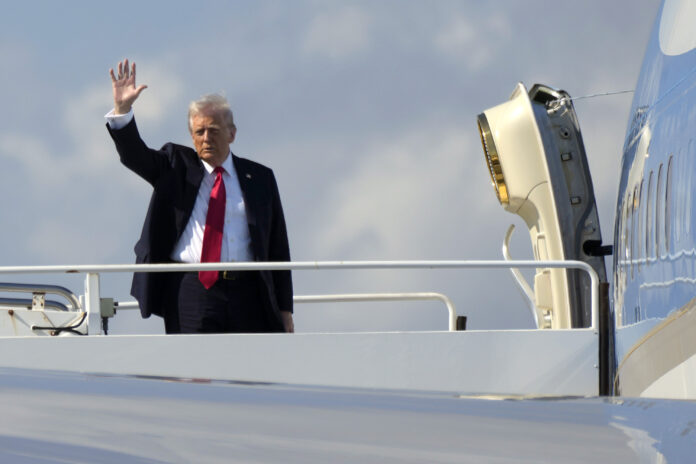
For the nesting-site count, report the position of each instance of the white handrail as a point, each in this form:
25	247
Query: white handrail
353	297
91	269
522	285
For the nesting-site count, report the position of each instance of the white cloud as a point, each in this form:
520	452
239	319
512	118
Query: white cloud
84	122
472	44
164	92
398	195
339	33
57	240
29	151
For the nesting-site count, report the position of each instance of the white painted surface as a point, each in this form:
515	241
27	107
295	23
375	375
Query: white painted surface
53	417
677	32
678	383
525	362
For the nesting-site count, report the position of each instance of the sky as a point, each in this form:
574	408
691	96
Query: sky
365	110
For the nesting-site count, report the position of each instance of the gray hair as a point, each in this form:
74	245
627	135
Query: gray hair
215	103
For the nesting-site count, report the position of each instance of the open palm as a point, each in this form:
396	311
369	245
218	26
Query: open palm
124	88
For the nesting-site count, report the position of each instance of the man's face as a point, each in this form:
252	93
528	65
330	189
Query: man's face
211	137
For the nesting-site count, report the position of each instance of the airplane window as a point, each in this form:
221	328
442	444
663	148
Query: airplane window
635	219
686	187
658	211
629	233
622	252
640	248
649	218
624	235
668	206
677	201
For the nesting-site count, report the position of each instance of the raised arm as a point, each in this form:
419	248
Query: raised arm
123	85
134	153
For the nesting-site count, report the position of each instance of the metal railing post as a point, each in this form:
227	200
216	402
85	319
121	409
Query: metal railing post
92	303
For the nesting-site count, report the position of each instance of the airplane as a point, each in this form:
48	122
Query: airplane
608	373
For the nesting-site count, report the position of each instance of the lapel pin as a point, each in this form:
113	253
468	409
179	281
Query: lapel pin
248	176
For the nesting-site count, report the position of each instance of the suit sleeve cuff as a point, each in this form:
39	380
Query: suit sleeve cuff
118	121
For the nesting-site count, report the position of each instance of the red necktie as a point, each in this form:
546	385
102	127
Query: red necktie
214	223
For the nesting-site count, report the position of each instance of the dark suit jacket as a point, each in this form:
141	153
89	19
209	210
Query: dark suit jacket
175	173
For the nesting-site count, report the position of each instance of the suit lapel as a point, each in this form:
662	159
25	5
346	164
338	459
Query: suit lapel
250	192
194	177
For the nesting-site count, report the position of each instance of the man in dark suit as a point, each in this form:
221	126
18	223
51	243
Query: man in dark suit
207	205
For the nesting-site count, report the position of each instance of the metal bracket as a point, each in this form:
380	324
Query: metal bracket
38	301
547	319
106	307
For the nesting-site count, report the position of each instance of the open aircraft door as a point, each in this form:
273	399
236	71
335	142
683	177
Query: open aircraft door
537	162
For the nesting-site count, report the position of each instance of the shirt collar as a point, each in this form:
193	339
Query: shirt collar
227	165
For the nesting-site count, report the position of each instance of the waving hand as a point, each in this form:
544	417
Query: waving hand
125	91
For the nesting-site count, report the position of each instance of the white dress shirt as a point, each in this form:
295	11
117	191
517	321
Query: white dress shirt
236	242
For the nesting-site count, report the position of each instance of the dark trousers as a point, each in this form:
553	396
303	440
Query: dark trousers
232	305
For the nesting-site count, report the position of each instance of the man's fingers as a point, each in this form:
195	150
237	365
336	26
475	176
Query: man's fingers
125	72
139	89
